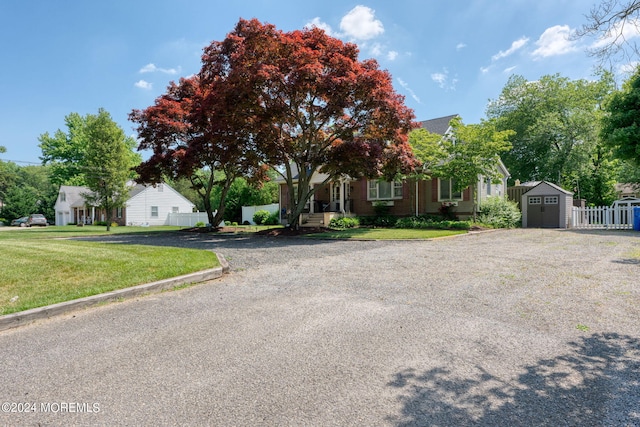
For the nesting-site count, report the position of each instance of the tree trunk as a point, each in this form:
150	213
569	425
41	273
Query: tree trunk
221	206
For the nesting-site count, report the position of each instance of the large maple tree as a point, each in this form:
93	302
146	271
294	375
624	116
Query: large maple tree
194	131
300	102
319	109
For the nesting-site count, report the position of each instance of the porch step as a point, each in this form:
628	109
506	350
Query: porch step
314	220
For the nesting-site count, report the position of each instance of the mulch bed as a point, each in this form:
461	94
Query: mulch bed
273	232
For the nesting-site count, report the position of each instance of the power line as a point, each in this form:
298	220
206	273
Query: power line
21	161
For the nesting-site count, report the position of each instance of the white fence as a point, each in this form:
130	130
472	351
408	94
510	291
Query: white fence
248	211
189	219
618	217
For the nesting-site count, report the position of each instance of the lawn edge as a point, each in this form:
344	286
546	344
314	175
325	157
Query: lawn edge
20	318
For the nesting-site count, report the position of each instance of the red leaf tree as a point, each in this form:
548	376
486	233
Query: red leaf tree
300	102
318	108
197	130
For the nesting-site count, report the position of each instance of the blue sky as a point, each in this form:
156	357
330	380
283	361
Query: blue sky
446	57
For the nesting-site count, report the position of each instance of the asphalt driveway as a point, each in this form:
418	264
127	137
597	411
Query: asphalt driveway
521	327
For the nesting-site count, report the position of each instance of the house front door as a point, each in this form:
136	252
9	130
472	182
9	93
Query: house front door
335	196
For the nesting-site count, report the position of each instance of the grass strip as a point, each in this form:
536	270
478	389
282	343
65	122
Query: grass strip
386	234
40	271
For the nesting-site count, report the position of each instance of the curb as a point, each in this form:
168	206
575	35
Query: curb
21	318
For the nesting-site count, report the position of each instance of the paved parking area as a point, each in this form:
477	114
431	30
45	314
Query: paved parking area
520	327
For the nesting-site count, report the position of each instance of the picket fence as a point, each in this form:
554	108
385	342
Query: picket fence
603	217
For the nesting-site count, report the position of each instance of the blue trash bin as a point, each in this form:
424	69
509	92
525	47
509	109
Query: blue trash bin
636	218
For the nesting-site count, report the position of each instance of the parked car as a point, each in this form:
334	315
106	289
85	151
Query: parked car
36	219
21	222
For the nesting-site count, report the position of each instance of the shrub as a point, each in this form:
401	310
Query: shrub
272	219
261	216
200	224
381	209
448	212
500	213
377	221
431	222
342	223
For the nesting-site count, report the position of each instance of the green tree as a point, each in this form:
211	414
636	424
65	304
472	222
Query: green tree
428	149
8	177
243	193
556	121
65	152
19	202
621	126
472	151
28	190
107	158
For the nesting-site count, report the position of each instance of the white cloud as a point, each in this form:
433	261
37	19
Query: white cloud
485	70
460	46
406	87
510	69
360	24
376	49
628	69
620	33
554	41
439	78
143	85
443	80
516	45
317	23
392	55
151	68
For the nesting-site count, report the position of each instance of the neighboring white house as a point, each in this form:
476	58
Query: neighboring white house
147	205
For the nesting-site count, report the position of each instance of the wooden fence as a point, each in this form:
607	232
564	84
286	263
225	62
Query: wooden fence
603	217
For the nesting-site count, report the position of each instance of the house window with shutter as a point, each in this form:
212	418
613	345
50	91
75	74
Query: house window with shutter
118	212
446	190
383	190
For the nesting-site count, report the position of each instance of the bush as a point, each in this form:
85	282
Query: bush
342	223
200	224
260	217
377	221
500	213
431	222
272	219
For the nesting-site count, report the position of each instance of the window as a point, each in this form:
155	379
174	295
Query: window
154	211
446	190
535	200
175	209
118	212
63	196
550	200
383	190
488	187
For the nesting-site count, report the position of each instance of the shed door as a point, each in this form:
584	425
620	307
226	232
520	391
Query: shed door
543	211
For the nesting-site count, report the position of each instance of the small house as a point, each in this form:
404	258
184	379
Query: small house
146	205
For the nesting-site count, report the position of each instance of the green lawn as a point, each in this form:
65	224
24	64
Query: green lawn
40	268
386	234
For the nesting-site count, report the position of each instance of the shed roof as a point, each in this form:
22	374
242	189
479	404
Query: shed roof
539	184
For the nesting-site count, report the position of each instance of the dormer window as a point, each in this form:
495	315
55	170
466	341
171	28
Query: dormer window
63	196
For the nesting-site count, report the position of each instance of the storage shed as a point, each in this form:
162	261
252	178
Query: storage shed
546	205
